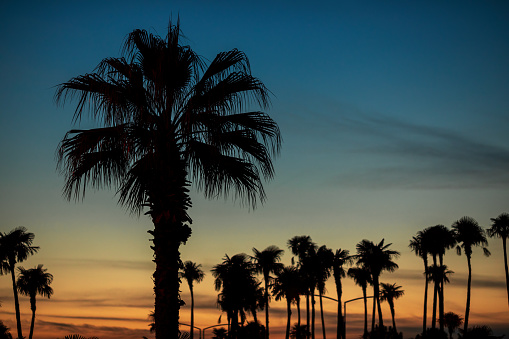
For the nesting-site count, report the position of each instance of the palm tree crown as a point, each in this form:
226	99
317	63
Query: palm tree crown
168	120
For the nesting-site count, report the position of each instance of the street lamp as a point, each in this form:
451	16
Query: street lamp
344	308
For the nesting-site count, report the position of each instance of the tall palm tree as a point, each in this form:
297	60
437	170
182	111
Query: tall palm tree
500	229
15	247
267	262
362	278
32	282
324	260
286	285
376	258
439	239
452	321
340	260
468	234
235	279
389	293
167	122
192	272
304	248
438	274
420	248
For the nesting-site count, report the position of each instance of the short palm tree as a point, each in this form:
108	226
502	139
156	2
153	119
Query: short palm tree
287	286
376	258
420	248
389	293
167	121
32	282
362	278
191	272
500	229
15	247
469	234
340	260
452	321
267	262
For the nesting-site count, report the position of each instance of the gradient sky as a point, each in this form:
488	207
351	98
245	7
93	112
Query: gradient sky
394	118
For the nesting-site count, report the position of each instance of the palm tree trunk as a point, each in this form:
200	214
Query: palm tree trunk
32	304
168	235
340	332
441	298
298	311
289	318
313	313
435	296
16	301
377	299
393	313
467	310
506	269
425	312
192	310
373	315
364	294
266	306
321	314
307	313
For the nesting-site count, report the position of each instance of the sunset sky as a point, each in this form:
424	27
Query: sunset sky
394	116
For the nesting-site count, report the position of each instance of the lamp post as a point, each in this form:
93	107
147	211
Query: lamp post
344	308
199	329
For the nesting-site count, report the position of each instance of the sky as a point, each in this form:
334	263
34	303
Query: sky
394	118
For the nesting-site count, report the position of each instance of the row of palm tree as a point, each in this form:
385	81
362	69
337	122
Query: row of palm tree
15	247
464	235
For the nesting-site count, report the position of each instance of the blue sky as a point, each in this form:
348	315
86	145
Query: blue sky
394	117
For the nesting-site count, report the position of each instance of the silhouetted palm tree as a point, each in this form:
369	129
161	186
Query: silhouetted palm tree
304	248
168	121
376	258
439	239
4	331
500	229
468	234
192	272
420	248
267	262
32	282
362	278
220	333
287	285
452	321
15	247
234	277
340	260
389	293
323	262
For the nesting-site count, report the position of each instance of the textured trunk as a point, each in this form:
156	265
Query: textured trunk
504	240
32	306
192	310
467	310
289	318
425	311
391	305
266	306
321	314
16	301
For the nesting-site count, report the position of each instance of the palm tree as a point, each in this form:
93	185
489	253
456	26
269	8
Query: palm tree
267	262
468	234
4	331
303	247
324	260
362	278
420	248
168	121
340	260
32	282
192	272
238	287
286	285
452	321
389	293
438	274
500	229
439	239
15	247
376	258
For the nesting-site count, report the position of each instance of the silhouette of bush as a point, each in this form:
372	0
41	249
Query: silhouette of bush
384	333
479	332
4	331
299	332
433	333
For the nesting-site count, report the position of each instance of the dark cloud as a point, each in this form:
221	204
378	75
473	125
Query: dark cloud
402	154
110	264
